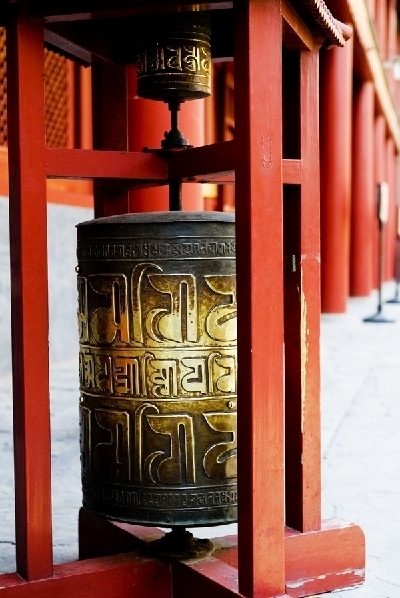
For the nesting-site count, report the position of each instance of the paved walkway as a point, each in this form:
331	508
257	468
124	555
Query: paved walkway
360	436
360	432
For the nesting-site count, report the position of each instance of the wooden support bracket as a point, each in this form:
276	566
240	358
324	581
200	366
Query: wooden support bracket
315	562
328	559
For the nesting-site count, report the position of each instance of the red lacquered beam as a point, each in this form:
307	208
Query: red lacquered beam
101	537
206	160
29	296
88	164
258	139
291	175
149	168
217	162
94	9
216	178
121	576
209	577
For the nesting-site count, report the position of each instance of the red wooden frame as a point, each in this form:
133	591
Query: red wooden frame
29	312
258	124
267	559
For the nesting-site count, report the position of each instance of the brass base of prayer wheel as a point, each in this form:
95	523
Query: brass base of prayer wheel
180	545
157	325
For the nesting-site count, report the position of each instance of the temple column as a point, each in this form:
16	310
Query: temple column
363	214
336	138
380	176
391	228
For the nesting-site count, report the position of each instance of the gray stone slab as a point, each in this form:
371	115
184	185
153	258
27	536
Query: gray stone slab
360	436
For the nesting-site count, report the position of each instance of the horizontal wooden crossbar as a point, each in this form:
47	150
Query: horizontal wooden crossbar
95	164
213	163
121	576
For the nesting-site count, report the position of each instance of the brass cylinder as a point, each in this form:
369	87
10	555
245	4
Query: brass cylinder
157	327
174	57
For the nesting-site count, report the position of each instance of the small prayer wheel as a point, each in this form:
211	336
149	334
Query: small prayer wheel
158	364
174	56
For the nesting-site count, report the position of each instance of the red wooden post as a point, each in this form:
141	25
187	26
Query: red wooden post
109	132
86	125
29	310
302	288
72	116
258	118
363	215
380	176
336	126
311	292
395	208
391	227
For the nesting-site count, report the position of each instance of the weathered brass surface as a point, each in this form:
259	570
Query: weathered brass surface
157	325
174	57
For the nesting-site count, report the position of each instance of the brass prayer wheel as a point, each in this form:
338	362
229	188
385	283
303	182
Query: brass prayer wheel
158	361
174	56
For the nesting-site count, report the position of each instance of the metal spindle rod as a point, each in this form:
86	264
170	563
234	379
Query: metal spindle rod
174	108
174	139
175	195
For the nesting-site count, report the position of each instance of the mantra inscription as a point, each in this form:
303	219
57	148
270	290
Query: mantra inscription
172	58
158	371
183	68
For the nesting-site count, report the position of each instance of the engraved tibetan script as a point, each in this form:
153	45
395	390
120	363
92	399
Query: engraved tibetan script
164	445
153	308
155	374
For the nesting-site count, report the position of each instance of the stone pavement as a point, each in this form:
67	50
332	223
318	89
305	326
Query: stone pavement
360	438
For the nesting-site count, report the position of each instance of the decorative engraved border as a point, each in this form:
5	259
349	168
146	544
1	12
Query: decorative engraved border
181	499
116	249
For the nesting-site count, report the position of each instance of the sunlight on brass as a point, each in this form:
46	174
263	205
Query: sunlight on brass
157	327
